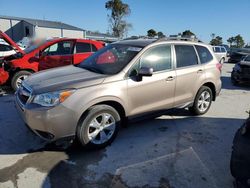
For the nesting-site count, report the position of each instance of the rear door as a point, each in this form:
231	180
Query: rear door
56	55
83	49
189	74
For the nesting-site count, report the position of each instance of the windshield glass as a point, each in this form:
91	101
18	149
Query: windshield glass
110	59
34	46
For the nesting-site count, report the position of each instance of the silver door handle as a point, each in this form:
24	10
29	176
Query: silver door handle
200	71
170	78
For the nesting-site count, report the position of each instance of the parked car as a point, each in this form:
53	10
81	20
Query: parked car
123	80
220	53
241	71
48	54
240	158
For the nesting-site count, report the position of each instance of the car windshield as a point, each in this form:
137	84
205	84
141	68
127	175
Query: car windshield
110	59
34	46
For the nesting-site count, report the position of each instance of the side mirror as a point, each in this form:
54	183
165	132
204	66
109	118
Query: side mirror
145	71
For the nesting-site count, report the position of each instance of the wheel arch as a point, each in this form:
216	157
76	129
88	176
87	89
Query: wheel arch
212	87
111	102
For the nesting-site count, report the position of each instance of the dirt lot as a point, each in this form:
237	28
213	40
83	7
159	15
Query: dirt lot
173	150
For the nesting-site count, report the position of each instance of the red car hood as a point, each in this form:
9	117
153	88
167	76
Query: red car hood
11	42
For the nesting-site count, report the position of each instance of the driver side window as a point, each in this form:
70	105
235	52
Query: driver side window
158	58
60	48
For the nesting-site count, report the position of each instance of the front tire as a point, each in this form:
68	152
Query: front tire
98	127
17	79
202	101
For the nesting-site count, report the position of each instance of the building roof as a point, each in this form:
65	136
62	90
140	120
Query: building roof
43	23
97	35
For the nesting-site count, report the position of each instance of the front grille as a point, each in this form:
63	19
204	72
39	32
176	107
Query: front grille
24	94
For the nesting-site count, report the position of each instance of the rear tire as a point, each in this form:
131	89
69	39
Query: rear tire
222	61
17	79
234	81
202	101
98	127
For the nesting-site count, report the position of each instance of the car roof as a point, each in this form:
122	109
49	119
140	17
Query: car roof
146	42
136	42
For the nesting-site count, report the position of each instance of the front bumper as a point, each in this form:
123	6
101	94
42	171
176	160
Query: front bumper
3	76
240	77
48	123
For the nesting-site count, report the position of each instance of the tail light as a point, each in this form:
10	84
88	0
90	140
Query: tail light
219	66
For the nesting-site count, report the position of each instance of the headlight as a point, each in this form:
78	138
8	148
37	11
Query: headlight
53	98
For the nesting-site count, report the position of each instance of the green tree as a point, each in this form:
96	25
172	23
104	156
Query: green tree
236	41
160	34
231	41
119	11
239	42
187	33
151	33
216	41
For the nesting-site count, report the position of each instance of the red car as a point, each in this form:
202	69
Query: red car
47	54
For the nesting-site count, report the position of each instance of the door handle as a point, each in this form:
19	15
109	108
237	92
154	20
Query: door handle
200	71
170	78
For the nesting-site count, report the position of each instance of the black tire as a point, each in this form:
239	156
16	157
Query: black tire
195	108
234	81
16	77
222	61
88	117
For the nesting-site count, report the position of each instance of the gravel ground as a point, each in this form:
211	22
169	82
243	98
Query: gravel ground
171	150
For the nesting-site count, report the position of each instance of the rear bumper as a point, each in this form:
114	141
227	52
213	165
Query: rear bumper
48	123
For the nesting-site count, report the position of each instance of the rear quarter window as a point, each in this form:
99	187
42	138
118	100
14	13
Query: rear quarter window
204	54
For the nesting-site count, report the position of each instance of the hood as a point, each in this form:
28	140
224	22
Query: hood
11	42
245	63
68	77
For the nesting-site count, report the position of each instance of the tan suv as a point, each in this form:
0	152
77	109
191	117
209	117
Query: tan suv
122	80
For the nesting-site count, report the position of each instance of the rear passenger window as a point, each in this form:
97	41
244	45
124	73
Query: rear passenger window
83	47
223	50
204	54
185	56
217	49
93	48
158	58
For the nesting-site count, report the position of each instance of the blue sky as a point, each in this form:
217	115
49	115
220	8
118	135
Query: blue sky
223	17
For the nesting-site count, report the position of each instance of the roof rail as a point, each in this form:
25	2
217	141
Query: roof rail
179	39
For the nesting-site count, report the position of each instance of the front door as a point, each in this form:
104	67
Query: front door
57	55
155	92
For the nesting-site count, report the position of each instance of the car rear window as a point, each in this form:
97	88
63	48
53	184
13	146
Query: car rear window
204	54
185	56
82	47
